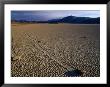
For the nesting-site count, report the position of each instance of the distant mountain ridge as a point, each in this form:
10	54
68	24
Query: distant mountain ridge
68	19
75	20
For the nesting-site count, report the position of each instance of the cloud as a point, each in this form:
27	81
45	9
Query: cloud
52	14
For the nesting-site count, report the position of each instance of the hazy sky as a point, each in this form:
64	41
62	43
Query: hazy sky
51	14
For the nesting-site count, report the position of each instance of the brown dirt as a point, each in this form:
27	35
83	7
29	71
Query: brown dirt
51	50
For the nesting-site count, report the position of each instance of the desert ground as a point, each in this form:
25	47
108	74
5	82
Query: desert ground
55	50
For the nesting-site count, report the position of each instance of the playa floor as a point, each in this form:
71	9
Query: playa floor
55	50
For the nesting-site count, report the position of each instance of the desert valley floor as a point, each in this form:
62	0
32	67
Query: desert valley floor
55	50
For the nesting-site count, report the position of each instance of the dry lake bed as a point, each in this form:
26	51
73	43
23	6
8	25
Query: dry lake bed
55	50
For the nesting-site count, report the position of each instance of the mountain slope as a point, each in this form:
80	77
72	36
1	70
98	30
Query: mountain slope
75	20
68	19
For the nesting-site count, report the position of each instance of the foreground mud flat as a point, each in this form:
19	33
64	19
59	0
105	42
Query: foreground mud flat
55	50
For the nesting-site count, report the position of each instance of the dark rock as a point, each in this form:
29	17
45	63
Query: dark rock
74	73
39	41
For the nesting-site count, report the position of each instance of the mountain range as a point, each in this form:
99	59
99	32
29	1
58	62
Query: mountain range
68	19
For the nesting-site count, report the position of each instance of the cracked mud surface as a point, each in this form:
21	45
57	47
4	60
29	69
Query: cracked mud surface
54	50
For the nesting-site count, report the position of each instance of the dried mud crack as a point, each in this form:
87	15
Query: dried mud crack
55	50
